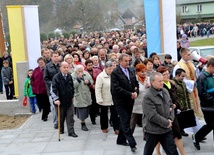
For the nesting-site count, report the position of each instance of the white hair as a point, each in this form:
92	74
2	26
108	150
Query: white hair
94	57
78	67
115	46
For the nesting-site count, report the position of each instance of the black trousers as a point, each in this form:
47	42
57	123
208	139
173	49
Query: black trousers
125	133
44	104
94	108
166	141
104	117
207	128
9	89
67	113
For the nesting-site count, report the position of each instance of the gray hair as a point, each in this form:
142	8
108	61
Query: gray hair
122	55
152	76
112	60
108	64
78	67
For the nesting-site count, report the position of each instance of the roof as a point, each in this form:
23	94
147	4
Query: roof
128	14
180	2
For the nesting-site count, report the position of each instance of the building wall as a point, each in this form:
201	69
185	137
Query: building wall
207	10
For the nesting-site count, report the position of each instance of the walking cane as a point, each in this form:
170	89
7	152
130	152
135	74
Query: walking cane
59	122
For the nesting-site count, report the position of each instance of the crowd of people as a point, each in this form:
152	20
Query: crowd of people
196	29
98	74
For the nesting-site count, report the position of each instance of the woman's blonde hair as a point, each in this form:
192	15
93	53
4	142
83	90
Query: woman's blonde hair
68	56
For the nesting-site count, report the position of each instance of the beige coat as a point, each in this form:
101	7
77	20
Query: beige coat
102	89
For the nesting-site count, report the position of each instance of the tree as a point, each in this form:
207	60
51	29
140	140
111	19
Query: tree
64	18
178	16
93	14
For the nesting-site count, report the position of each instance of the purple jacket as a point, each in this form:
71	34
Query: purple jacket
37	81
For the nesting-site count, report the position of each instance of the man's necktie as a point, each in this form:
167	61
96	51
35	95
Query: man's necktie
127	73
65	77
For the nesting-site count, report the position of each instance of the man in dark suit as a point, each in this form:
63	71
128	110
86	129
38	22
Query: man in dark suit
124	89
62	92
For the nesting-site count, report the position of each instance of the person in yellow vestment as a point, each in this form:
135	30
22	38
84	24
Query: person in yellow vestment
190	81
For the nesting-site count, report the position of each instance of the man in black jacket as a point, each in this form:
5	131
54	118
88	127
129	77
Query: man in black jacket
124	89
50	70
62	92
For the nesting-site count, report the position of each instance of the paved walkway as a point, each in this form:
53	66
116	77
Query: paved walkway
36	137
200	38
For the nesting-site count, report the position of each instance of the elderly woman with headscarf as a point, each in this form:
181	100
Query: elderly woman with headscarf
184	41
104	98
82	98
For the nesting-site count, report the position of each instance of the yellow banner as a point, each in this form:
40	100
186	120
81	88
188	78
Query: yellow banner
17	38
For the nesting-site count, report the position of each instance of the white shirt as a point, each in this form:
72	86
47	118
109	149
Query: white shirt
189	83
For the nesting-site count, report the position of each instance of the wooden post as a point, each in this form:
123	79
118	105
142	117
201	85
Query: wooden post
2	35
161	26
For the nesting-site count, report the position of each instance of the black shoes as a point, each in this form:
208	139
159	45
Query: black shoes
61	132
72	135
45	119
55	126
183	133
84	127
133	149
93	122
124	144
204	139
196	144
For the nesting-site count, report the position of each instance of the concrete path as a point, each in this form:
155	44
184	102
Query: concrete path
200	38
36	137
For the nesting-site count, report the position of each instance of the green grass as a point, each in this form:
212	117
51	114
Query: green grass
204	42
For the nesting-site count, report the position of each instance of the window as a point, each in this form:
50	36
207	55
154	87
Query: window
199	8
185	9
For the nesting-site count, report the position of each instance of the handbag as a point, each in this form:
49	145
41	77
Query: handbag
25	101
186	119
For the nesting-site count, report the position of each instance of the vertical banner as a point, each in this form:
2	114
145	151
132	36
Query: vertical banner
169	26
25	37
152	18
160	17
17	39
32	33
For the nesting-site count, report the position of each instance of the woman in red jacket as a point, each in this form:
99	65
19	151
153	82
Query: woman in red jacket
39	89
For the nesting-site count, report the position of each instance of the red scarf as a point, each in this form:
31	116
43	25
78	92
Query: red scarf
141	79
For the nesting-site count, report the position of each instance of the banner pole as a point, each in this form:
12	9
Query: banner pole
161	26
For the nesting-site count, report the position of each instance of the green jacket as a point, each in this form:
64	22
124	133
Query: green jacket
28	88
182	94
82	95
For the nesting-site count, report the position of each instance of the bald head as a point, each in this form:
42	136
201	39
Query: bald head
64	67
